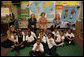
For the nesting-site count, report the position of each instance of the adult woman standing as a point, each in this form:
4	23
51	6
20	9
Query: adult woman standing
43	22
9	42
32	23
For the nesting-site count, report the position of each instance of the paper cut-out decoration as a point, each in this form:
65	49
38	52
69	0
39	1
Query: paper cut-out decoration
23	18
18	12
66	10
71	16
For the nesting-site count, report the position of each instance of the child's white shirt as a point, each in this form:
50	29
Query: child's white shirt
29	39
55	34
40	47
50	44
60	38
33	34
70	35
43	39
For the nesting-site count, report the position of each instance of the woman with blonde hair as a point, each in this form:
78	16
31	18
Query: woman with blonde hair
56	22
9	42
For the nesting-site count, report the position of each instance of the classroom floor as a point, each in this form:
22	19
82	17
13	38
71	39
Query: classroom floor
71	50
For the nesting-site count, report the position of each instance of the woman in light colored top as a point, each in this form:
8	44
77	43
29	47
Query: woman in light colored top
9	42
43	22
57	21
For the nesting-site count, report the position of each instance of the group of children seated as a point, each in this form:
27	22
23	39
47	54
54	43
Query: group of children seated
43	43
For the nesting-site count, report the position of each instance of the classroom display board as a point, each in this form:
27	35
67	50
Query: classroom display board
69	13
37	7
24	9
5	11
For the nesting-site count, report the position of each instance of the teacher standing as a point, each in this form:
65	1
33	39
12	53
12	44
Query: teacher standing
43	22
32	23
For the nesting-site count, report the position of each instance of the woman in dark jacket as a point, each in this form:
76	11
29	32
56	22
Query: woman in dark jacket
32	23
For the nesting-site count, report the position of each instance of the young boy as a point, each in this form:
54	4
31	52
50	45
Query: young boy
30	38
59	39
18	43
55	32
38	49
20	30
32	33
69	36
51	45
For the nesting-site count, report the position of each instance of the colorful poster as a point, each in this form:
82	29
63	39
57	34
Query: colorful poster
43	6
24	9
5	11
50	16
69	13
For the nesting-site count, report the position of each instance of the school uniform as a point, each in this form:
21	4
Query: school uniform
51	47
37	52
34	35
19	39
59	39
55	34
71	36
43	41
30	40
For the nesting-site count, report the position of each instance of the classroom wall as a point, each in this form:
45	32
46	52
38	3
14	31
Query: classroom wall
81	11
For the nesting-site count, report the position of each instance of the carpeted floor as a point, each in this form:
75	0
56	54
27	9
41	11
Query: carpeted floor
71	50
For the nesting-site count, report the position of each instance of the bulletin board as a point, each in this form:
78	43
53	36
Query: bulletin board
24	9
37	7
5	11
69	13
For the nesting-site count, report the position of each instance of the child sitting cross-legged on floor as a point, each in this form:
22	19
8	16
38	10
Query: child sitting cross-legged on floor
59	39
38	49
69	37
18	42
30	39
51	50
43	39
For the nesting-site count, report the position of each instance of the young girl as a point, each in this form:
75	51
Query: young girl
43	39
69	36
55	32
59	39
30	38
51	45
38	49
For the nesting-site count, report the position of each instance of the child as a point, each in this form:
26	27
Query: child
59	39
69	36
41	30
55	32
51	45
38	49
18	43
20	30
43	39
30	38
32	33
